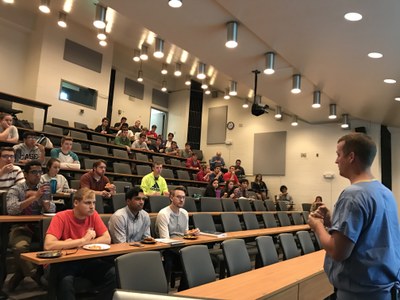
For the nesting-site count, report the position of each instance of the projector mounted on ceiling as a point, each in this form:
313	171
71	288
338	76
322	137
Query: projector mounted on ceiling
256	108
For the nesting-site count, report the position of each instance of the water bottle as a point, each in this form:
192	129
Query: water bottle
53	185
47	196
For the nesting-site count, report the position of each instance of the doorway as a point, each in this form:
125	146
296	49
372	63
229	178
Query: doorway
159	118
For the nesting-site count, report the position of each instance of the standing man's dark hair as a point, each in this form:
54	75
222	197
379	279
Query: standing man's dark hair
362	145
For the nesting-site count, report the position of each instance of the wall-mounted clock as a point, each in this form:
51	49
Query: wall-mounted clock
230	125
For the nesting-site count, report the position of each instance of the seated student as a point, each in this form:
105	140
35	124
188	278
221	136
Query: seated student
231	175
29	149
229	189
67	158
153	183
316	204
259	186
104	127
173	150
217	174
122	139
143	131
9	173
240	173
187	152
140	143
74	228
167	143
152	132
156	147
241	191
137	127
284	196
130	223
26	198
53	167
97	181
212	189
173	221
8	132
193	162
204	174
131	135
120	123
217	161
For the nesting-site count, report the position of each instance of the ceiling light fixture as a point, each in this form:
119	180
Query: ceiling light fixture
44	6
207	92
375	55
143	53
316	99
332	111
353	16
233	88
140	75
164	69
226	96
294	121
100	18
204	85
164	86
159	48
103	43
278	113
345	122
269	63
175	3
245	104
101	34
136	55
8	1
389	81
296	86
232	34
188	80
62	19
201	71
178	71
397	98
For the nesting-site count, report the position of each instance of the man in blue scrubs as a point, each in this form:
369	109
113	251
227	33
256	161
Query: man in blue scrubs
362	243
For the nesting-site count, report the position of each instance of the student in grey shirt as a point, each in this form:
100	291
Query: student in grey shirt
140	143
29	149
130	223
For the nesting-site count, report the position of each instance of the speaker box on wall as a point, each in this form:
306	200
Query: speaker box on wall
361	129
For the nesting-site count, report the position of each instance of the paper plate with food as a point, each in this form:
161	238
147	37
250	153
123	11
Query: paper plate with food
96	247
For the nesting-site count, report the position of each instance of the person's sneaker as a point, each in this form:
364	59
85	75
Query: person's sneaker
14	281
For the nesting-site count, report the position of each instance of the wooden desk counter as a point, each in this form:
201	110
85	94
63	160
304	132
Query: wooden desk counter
298	278
118	249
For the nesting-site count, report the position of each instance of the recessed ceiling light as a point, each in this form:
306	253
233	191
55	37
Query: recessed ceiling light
397	98
353	16
389	81
103	43
375	55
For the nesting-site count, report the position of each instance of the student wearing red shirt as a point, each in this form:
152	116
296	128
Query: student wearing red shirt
74	228
231	175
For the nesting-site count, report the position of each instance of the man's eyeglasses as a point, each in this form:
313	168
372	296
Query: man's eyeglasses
36	172
7	156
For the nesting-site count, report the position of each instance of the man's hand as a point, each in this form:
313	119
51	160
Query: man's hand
194	231
323	213
90	235
106	194
6	169
314	220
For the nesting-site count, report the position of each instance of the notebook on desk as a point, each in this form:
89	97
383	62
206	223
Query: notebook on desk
170	241
213	233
